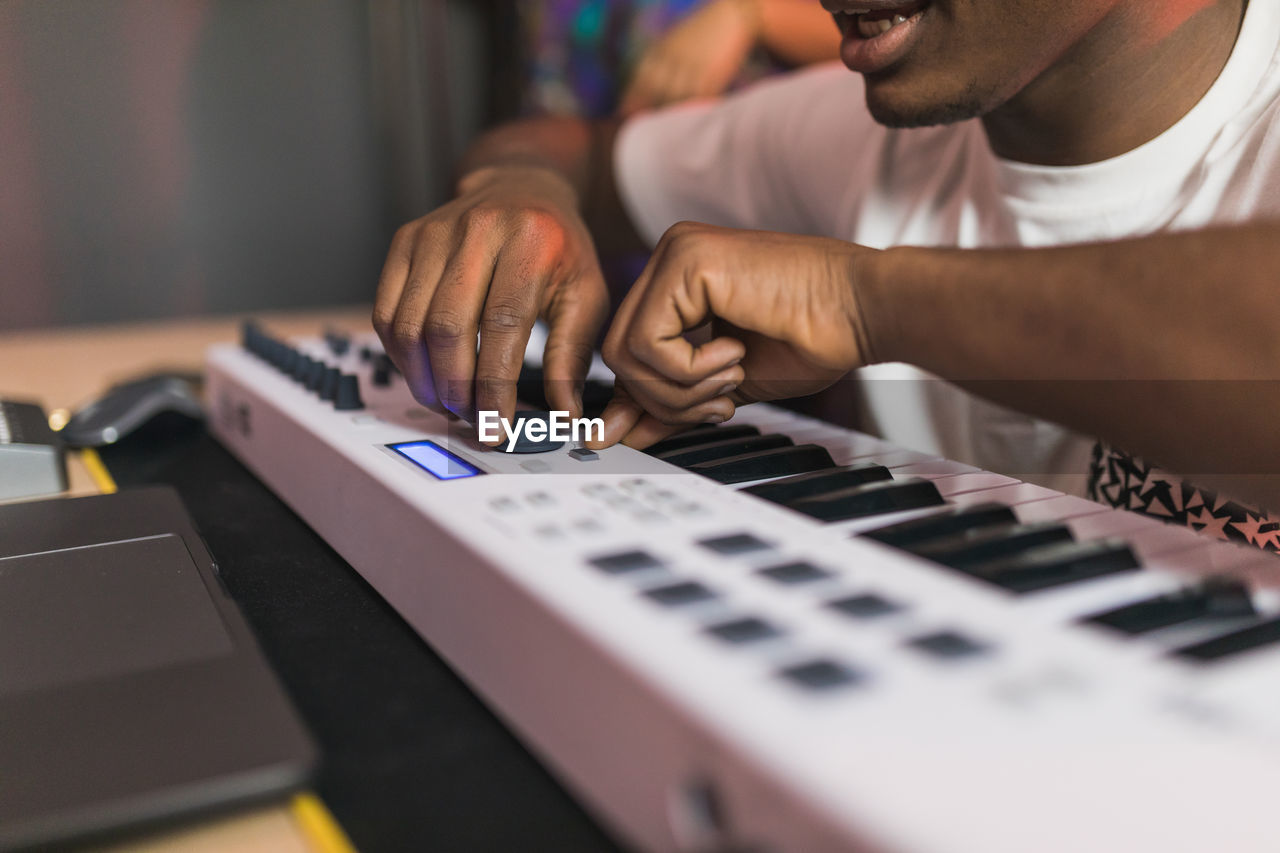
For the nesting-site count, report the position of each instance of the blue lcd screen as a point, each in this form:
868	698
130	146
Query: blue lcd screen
435	460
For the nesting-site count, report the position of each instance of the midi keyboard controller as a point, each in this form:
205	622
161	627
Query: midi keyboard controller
778	634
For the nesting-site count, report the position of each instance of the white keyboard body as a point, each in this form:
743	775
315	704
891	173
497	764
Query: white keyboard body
1059	737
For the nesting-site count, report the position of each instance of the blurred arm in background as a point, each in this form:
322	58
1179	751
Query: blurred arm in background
703	54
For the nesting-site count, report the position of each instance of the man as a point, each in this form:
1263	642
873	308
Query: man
1096	174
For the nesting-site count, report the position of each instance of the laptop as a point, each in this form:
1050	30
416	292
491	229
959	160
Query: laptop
131	689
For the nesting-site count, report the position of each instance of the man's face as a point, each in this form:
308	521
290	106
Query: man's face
939	61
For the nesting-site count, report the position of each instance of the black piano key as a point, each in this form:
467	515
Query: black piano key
722	449
704	434
870	499
1215	598
948	522
778	462
819	482
984	544
1243	640
1057	565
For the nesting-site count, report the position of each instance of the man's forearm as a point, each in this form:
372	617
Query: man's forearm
581	151
799	32
1167	346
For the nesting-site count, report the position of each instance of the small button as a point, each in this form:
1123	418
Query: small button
503	505
535	466
735	543
748	629
635	484
795	573
677	594
867	606
948	645
649	516
584	454
821	674
540	499
548	531
588	525
597	489
625	561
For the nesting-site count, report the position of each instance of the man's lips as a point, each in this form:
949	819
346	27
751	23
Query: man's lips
876	34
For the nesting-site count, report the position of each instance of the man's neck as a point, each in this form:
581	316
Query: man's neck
1130	79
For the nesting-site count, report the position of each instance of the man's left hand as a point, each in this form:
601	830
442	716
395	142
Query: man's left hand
783	316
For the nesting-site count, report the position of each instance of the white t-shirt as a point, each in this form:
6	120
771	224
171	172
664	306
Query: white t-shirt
802	154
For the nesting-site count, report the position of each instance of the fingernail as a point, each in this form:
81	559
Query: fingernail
715	419
726	388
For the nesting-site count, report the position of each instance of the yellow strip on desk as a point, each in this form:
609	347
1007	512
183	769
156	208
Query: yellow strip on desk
98	471
319	826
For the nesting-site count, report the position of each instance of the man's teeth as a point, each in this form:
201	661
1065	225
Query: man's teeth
871	29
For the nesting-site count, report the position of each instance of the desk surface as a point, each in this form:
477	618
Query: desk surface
411	760
64	368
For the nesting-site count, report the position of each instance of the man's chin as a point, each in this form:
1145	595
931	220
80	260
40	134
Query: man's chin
901	112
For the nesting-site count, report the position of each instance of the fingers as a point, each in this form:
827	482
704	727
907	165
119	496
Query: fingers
405	289
675	381
509	312
574	318
620	417
461	290
451	324
628	422
674	403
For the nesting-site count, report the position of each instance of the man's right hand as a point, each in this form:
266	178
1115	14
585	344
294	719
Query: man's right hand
510	249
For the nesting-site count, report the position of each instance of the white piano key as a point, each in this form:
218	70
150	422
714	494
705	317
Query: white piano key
948	486
1015	495
872	522
1058	509
1104	524
934	470
1161	540
844	449
894	458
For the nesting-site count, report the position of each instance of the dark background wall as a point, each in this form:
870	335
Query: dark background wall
172	157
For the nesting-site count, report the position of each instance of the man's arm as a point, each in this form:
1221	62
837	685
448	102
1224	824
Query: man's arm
1167	346
702	54
511	248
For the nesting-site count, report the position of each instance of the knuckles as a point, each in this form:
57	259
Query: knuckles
490	389
504	317
443	327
